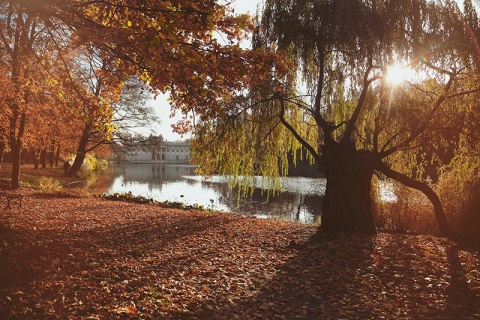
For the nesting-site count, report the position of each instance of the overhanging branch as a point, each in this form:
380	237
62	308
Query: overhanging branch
297	136
434	199
422	127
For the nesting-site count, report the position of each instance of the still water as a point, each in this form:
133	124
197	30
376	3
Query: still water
301	198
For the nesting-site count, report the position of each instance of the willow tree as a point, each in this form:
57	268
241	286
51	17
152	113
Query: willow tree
338	102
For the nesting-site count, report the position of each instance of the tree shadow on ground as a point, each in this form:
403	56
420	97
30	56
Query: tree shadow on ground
89	261
463	302
364	277
318	282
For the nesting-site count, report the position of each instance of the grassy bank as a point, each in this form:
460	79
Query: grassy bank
53	179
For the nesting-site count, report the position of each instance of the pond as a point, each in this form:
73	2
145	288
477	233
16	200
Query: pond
301	199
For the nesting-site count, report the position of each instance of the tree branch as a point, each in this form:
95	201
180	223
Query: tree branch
304	143
361	101
434	199
424	125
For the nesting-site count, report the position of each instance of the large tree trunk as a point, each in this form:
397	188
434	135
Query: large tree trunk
347	202
16	140
77	163
81	152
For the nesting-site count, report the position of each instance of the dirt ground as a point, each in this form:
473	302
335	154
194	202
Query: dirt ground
64	257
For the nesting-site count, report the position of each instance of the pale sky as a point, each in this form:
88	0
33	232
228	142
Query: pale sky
244	6
161	106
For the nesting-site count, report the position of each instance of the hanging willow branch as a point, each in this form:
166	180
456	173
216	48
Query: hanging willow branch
302	141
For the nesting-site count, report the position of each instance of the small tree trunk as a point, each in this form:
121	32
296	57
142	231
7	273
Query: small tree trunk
2	153
43	158
57	156
347	202
51	153
16	160
16	141
36	159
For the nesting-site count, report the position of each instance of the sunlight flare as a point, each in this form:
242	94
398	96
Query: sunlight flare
398	73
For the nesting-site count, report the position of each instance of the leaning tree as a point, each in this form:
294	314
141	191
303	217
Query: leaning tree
342	102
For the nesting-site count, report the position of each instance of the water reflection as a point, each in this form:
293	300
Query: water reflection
301	199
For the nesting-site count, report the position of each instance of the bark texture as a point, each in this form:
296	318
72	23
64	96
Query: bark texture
81	152
347	203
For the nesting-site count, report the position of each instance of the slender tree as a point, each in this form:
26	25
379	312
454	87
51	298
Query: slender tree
20	36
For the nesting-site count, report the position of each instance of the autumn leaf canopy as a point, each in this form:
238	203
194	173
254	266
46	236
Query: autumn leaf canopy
192	49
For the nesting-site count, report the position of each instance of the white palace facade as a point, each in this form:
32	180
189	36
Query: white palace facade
165	152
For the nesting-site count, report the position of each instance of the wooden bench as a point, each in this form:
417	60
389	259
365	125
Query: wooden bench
12	196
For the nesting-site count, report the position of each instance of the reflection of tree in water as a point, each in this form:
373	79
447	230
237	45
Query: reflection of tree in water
300	202
102	180
98	181
281	205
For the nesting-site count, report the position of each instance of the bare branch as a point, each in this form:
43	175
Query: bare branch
361	101
421	128
297	136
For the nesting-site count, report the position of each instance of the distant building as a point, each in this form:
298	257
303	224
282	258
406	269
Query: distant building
164	152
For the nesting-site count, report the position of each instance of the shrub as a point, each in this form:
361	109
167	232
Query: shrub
48	184
405	210
94	164
458	189
90	168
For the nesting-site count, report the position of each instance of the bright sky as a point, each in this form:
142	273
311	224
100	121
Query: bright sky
244	6
161	106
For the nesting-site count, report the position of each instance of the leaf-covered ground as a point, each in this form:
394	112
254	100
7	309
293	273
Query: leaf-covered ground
91	258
